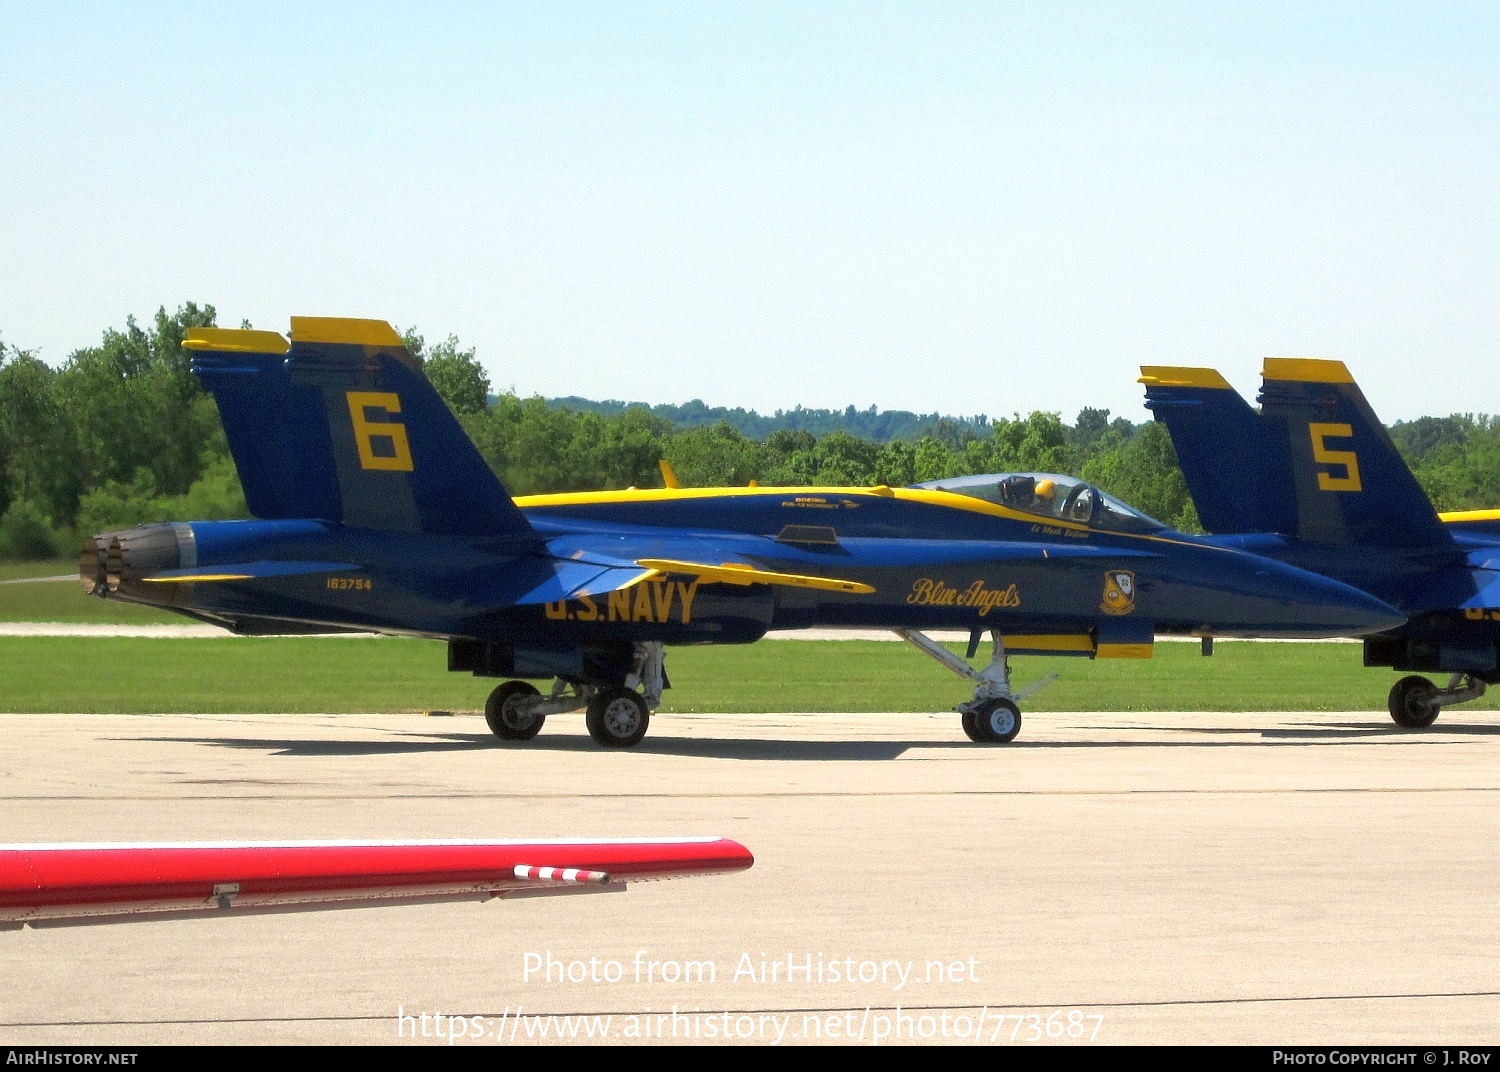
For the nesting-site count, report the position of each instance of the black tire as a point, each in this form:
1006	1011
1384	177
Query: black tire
971	728
998	721
1411	703
502	714
618	718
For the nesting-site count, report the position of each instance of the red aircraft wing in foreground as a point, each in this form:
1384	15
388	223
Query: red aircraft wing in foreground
60	884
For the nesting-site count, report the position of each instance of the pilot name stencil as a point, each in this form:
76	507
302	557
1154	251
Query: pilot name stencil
927	592
649	601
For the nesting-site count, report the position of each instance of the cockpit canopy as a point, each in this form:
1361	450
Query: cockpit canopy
1051	496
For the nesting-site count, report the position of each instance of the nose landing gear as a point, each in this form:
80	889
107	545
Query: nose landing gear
1415	702
992	716
994	721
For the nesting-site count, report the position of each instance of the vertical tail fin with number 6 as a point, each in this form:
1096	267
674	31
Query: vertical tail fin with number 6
342	425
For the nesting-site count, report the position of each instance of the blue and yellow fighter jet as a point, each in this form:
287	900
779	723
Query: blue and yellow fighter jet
1314	480
376	513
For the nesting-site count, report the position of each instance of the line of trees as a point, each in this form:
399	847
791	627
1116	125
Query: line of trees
874	423
121	434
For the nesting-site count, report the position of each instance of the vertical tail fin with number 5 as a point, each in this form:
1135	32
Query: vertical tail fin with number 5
1315	463
1351	485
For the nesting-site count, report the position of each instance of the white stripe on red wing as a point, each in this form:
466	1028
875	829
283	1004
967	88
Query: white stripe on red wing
561	874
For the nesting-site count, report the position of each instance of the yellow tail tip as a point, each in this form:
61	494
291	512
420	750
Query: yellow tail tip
1306	370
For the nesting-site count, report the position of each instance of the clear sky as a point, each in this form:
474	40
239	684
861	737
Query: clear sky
971	208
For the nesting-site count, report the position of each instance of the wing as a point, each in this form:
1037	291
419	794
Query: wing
55	885
741	560
744	573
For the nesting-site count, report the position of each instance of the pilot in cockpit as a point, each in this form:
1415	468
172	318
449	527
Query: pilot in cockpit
1028	493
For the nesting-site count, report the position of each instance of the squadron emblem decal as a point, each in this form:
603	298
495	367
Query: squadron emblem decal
1119	592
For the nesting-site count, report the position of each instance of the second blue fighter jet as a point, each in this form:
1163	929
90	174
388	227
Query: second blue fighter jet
377	513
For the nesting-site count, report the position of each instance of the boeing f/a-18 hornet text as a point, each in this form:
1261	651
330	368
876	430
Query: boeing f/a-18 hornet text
376	513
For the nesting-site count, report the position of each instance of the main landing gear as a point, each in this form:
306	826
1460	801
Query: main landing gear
992	716
1416	702
618	718
512	711
617	715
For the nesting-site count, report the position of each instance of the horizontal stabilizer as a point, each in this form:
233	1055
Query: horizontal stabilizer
572	580
247	571
745	574
1486	591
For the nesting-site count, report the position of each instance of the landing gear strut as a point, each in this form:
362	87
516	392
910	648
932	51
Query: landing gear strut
1416	702
992	715
617	715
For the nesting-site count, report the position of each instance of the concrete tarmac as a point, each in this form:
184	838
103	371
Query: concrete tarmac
1121	878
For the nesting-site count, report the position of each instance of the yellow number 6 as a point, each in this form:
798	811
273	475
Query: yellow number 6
367	431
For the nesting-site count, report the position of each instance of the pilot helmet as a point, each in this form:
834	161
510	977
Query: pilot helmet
1045	489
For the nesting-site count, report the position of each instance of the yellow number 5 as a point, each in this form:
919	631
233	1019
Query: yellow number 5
1346	458
366	431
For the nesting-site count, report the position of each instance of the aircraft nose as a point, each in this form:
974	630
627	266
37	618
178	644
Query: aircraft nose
1334	609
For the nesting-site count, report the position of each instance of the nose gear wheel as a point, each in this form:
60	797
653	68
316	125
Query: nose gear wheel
996	721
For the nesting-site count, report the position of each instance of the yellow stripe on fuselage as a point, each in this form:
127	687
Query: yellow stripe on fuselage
200	577
1305	370
1469	515
930	496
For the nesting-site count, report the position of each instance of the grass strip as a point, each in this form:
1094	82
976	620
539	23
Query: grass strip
110	675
